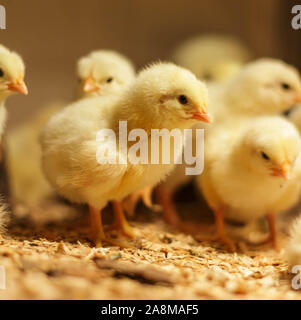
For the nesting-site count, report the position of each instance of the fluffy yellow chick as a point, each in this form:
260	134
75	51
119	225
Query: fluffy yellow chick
12	72
162	96
293	249
101	72
263	87
251	170
212	57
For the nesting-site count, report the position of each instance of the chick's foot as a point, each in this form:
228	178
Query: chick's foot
120	224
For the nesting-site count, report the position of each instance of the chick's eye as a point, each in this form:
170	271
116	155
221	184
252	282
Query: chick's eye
183	99
207	76
285	86
109	80
1	73
265	156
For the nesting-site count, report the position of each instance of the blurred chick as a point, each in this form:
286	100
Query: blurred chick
215	58
162	96
12	72
293	249
263	87
102	72
253	169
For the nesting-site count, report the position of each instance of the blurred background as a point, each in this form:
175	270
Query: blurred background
52	35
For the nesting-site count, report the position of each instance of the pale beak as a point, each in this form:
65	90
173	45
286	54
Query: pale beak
298	98
19	86
202	115
282	171
90	85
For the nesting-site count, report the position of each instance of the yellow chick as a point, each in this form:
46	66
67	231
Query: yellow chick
12	72
264	87
102	72
162	96
293	249
251	170
214	58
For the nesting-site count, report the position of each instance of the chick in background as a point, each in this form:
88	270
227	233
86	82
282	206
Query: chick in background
100	73
263	87
253	169
162	96
12	73
212	57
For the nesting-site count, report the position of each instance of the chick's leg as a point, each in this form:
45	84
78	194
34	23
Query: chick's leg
145	195
120	222
165	198
272	238
96	226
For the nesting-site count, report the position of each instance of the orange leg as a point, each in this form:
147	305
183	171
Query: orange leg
272	238
220	235
96	226
165	198
120	222
145	195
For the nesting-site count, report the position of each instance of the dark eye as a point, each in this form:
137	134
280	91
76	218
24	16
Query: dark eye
183	99
1	73
265	156
109	80
285	86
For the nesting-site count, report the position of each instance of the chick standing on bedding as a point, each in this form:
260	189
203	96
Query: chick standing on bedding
162	96
253	169
100	73
12	72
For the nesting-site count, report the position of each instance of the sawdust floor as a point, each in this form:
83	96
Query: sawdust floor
48	256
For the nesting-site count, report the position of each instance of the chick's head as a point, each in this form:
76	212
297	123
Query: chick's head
12	72
103	72
267	86
270	147
165	95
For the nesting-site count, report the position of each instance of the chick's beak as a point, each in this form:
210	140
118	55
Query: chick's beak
282	171
90	85
298	98
19	86
201	115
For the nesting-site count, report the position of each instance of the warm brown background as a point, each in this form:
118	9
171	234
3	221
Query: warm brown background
51	35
